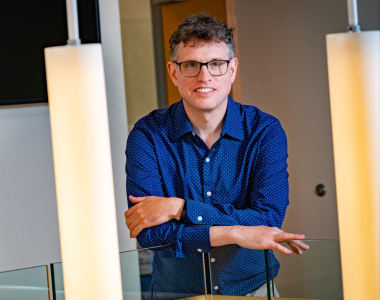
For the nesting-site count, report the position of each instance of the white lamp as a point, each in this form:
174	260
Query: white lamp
82	165
354	81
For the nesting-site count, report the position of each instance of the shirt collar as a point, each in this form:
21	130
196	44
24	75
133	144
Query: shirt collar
181	122
233	122
232	125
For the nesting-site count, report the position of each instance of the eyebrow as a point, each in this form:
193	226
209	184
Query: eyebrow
214	59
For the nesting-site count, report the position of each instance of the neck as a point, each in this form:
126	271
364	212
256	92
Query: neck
207	124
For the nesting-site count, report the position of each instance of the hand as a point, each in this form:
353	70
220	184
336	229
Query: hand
263	237
151	211
257	237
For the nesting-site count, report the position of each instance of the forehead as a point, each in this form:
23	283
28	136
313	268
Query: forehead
202	51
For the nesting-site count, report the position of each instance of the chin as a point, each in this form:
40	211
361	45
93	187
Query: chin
205	103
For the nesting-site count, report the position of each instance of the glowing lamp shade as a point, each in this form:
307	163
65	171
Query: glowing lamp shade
354	81
83	172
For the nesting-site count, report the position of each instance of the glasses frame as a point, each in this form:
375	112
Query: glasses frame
203	64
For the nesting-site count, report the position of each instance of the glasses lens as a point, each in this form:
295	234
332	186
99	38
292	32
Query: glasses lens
217	67
190	68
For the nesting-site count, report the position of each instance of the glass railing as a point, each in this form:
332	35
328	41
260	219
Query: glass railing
170	278
236	271
316	274
226	272
25	284
155	273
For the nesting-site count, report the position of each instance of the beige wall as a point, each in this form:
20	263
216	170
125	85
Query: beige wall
283	68
284	73
138	58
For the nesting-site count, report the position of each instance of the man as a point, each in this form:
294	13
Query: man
207	171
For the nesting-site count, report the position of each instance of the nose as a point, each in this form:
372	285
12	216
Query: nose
204	74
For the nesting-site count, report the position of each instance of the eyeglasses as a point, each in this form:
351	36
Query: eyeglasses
193	68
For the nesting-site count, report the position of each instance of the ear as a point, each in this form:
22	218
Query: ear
172	72
233	66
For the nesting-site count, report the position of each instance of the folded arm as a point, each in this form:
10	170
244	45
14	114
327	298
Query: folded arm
154	220
143	180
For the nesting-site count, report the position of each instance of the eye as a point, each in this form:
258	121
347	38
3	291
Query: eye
215	64
189	65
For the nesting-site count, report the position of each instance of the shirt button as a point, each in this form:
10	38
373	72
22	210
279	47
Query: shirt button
212	259
199	250
200	218
216	287
208	193
193	133
207	159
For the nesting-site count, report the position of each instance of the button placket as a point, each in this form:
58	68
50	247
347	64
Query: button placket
207	177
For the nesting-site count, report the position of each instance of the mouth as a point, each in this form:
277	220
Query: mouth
205	90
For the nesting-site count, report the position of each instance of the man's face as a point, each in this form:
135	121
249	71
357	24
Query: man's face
204	92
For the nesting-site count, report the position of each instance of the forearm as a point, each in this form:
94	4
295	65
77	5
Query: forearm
256	237
222	235
262	213
185	239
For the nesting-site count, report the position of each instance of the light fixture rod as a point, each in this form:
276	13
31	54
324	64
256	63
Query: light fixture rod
72	22
353	20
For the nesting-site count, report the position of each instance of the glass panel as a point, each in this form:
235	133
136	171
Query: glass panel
316	274
57	281
236	271
24	284
153	273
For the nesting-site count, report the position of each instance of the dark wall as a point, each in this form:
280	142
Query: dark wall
26	28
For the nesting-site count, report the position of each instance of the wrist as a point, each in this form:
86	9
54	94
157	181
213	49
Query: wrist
223	235
177	207
233	234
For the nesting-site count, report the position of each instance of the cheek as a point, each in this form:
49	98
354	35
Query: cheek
184	86
183	89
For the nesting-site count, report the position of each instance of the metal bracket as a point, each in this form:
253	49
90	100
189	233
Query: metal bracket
73	42
354	28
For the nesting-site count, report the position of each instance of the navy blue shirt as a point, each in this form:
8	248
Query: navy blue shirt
241	180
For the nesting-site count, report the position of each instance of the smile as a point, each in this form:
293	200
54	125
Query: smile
204	90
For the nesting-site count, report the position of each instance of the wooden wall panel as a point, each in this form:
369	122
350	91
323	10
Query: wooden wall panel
232	22
173	14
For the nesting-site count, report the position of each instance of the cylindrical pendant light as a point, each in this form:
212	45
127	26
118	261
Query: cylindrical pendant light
83	172
354	81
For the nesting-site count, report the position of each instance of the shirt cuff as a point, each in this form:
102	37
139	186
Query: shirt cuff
195	239
199	213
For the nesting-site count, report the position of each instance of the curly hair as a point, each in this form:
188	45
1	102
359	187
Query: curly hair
202	27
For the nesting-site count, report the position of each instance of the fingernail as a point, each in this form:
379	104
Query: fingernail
301	251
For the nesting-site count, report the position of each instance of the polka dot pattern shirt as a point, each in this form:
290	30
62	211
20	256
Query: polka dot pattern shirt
241	180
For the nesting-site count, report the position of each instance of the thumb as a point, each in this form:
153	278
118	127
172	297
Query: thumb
136	199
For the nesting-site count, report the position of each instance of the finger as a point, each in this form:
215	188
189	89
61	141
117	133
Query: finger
136	199
130	220
280	248
133	225
301	245
130	211
295	248
284	236
137	230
